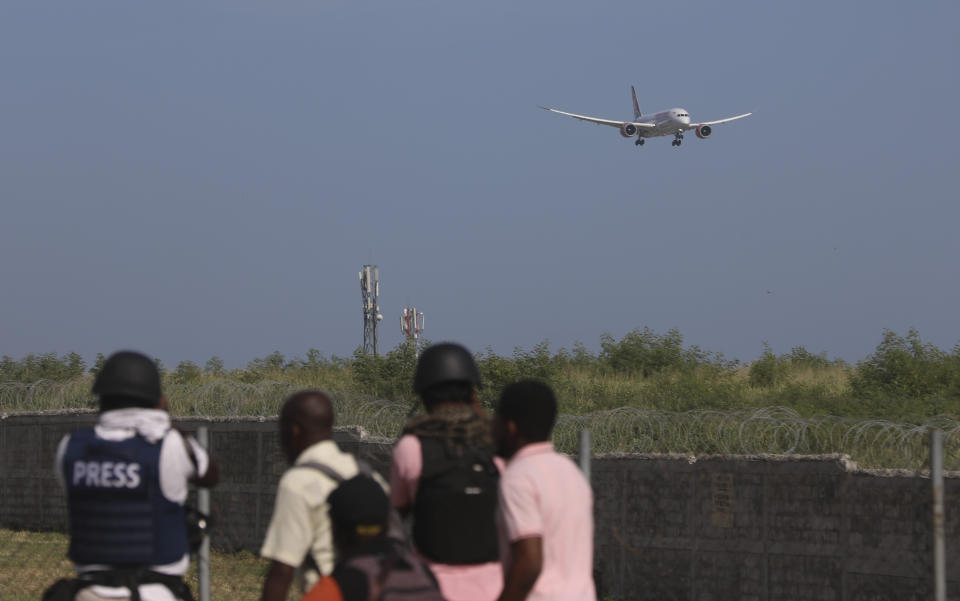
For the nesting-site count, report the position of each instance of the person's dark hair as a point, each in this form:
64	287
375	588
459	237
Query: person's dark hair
532	406
447	392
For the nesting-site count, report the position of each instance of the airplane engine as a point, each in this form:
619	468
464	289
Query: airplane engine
628	130
704	131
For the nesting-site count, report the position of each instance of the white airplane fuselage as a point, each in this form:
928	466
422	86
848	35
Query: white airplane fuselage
667	123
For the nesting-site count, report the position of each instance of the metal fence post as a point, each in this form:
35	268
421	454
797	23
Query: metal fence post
584	453
939	553
203	504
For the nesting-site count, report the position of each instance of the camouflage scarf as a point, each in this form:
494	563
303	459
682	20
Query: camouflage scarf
455	423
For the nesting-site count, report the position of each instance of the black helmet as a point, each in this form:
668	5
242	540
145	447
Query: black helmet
445	362
129	374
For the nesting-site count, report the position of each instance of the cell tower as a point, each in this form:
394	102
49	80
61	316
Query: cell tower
411	324
370	291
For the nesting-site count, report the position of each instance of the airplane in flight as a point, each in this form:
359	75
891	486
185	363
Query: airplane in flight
672	122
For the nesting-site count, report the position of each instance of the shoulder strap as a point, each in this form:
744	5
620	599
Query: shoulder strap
362	467
190	453
324	469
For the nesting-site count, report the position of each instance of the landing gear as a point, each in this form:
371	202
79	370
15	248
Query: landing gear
639	142
678	139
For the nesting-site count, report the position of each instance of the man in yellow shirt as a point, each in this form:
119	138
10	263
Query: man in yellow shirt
300	532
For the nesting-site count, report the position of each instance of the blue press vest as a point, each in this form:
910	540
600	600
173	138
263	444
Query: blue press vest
118	514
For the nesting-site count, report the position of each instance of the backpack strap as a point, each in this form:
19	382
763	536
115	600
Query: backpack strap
324	469
362	468
190	453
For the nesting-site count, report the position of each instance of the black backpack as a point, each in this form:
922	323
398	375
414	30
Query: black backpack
395	529
396	575
454	520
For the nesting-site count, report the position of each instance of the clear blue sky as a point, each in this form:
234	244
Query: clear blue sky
206	178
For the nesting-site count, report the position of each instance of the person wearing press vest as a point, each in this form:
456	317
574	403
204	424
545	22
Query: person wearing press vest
126	482
444	476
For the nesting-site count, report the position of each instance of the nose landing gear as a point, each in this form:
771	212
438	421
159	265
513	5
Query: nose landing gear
678	139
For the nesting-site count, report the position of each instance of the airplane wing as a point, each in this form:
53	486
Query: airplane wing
595	119
727	120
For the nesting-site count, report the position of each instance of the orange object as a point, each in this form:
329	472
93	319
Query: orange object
326	589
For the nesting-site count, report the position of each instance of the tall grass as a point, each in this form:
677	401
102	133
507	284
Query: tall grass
645	392
807	384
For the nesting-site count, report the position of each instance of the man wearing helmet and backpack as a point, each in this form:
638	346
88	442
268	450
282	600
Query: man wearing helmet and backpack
443	475
126	482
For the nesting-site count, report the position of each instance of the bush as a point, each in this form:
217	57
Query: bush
906	368
46	366
186	372
646	352
387	376
768	370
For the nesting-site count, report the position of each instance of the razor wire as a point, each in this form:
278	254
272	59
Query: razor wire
764	431
45	395
872	443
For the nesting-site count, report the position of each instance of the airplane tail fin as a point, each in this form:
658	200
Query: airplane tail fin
636	105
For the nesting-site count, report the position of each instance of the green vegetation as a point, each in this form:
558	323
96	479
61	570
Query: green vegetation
646	392
48	366
904	380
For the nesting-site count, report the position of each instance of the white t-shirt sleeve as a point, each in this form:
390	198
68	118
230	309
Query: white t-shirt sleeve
176	467
203	458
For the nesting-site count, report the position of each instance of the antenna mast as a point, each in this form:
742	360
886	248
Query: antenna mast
370	291
411	324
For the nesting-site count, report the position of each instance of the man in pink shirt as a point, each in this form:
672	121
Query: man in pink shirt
545	502
443	475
